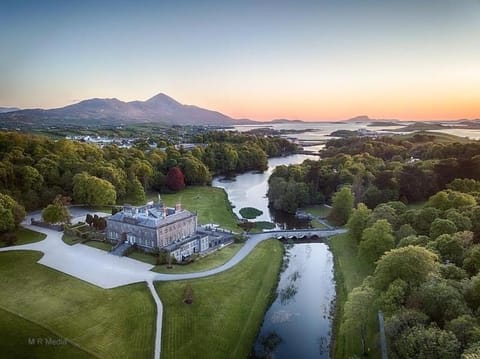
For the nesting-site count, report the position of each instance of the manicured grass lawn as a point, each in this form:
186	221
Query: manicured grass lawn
70	240
16	333
316	224
227	308
350	272
104	246
210	261
115	323
26	236
143	257
318	210
211	204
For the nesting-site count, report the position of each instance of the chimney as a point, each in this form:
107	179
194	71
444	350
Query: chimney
165	212
178	207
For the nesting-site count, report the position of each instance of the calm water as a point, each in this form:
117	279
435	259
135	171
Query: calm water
298	324
250	189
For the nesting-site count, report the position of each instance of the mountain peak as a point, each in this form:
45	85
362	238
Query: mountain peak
161	97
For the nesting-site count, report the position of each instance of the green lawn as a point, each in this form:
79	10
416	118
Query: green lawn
227	308
211	204
26	236
70	240
349	273
210	261
24	339
104	246
143	257
115	323
317	224
318	210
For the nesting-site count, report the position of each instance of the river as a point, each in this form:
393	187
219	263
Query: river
298	323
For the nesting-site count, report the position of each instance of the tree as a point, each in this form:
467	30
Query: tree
447	199
404	231
440	301
427	343
465	329
92	190
175	179
471	263
342	206
16	210
89	219
384	211
358	310
136	193
413	264
442	226
57	212
358	221
450	248
376	240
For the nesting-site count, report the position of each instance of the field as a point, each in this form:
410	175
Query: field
318	210
115	323
26	236
227	308
211	204
349	273
210	261
16	333
104	246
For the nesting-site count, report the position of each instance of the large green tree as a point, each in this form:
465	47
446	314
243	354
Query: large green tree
376	240
358	221
94	191
342	206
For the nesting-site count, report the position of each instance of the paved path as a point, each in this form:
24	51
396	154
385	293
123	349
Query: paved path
108	271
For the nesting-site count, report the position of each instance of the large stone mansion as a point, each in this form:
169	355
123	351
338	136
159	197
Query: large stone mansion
155	226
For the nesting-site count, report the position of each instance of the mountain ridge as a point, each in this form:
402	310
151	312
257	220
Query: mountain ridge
160	108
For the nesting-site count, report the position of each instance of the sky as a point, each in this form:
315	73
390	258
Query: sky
308	60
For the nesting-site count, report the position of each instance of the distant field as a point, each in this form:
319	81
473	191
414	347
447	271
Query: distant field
227	308
210	261
115	323
211	204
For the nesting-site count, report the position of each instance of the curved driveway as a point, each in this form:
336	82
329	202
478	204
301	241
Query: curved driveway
108	271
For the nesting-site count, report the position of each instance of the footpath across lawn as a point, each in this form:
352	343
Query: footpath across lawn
227	309
211	203
113	323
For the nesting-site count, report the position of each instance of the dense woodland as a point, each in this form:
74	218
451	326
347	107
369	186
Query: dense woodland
378	170
35	169
422	261
425	273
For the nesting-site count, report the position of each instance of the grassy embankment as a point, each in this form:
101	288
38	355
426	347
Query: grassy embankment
115	323
26	236
350	271
227	308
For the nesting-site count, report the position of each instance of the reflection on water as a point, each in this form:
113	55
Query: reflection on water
298	323
250	190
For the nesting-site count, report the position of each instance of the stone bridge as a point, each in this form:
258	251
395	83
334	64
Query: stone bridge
309	235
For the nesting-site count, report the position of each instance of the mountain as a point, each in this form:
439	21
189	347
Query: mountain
8	109
158	109
364	118
284	120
